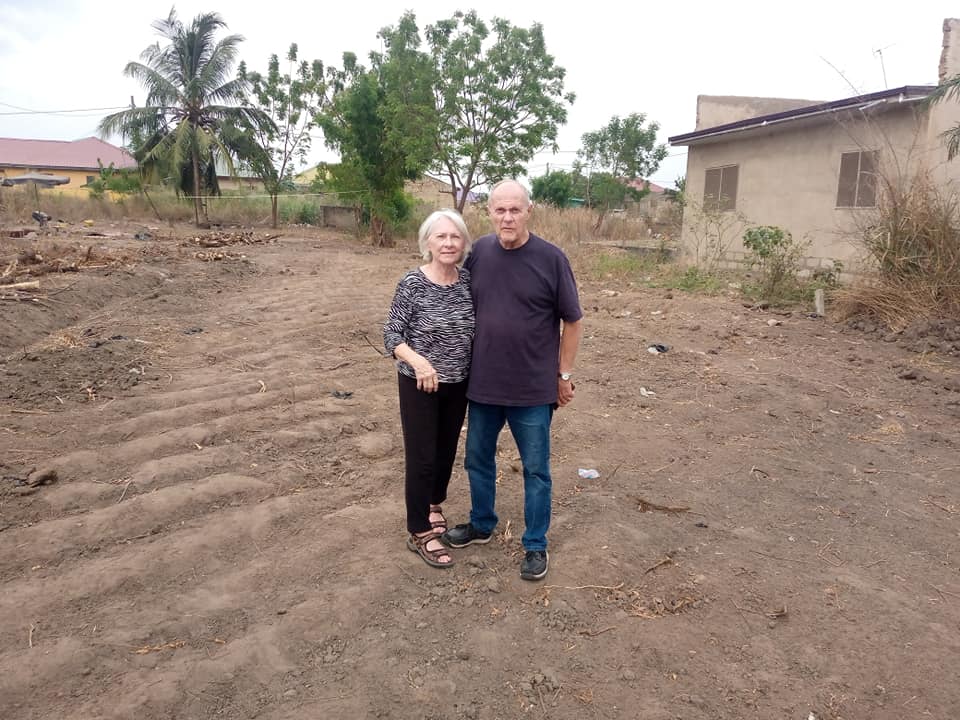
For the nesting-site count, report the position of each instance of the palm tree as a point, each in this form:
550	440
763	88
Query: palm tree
191	97
948	89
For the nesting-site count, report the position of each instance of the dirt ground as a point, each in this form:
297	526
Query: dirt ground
774	531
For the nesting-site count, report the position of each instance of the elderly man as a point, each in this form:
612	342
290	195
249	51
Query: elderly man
523	290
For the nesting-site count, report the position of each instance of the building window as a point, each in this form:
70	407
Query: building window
720	188
857	187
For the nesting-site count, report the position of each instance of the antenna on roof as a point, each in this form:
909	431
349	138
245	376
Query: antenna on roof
882	66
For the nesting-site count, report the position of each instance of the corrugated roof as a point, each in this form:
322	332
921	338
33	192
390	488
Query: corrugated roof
62	154
906	92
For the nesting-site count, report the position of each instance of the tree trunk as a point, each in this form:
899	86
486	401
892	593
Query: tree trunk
150	200
380	232
273	209
196	188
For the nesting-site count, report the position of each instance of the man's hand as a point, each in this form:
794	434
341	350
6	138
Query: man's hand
565	391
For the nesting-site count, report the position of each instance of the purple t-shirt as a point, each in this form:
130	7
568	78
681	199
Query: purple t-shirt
520	296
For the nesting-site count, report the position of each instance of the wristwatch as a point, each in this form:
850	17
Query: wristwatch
565	376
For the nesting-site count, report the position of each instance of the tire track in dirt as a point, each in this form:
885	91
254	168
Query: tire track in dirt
194	497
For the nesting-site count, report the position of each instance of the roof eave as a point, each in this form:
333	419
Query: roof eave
908	93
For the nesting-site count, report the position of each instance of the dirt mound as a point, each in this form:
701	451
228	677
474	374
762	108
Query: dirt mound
941	336
921	336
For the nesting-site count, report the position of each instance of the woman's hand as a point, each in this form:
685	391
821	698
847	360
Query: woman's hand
427	379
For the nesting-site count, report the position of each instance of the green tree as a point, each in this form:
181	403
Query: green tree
292	100
622	152
498	99
191	96
380	148
553	188
625	148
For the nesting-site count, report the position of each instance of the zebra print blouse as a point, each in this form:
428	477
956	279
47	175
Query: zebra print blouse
436	321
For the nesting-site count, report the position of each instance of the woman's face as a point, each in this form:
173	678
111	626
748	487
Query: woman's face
445	242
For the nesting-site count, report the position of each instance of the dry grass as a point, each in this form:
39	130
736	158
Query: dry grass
233	208
913	238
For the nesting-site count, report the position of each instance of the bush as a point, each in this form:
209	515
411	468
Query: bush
774	251
913	238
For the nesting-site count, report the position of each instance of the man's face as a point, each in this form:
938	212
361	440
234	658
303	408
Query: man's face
510	213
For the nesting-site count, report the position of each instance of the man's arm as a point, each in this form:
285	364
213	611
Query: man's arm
569	344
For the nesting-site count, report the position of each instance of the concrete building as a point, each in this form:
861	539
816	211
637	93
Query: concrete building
76	160
816	169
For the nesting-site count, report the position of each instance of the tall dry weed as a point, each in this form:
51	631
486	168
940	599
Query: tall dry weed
913	239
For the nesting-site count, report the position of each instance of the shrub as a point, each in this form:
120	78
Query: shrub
774	251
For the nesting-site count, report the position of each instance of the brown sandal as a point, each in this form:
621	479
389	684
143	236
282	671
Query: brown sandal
438	525
418	544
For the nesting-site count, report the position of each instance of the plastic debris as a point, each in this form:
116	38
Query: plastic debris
657	348
588	473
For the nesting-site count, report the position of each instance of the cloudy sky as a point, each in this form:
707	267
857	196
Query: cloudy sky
653	58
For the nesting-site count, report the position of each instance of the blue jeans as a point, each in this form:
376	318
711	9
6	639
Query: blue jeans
530	427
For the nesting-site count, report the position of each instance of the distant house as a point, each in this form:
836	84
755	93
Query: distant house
430	191
78	159
656	206
435	193
812	168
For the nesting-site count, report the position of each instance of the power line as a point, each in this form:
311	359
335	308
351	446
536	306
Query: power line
18	110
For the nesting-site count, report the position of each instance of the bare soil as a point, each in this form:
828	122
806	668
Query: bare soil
201	505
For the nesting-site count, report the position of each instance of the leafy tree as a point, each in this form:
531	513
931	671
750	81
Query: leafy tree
498	99
553	188
620	153
292	100
624	147
190	98
606	191
380	148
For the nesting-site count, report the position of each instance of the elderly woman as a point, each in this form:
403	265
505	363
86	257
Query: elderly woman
430	333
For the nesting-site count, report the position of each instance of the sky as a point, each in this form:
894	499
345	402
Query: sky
61	62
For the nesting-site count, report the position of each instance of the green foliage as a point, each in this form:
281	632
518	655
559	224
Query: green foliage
778	256
606	191
625	148
302	211
827	278
948	89
379	149
499	99
109	179
694	279
292	100
622	266
553	188
678	195
177	135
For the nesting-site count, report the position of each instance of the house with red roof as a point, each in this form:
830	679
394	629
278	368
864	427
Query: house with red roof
78	160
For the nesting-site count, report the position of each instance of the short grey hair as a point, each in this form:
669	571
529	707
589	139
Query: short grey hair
427	227
509	181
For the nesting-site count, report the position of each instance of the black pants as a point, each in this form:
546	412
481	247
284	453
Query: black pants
431	429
